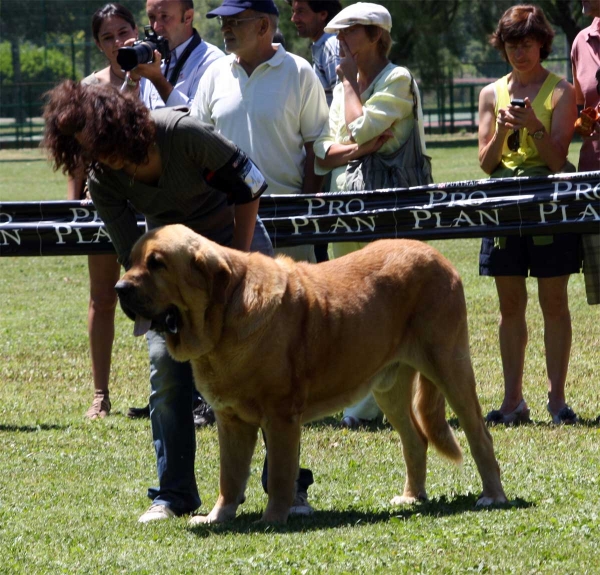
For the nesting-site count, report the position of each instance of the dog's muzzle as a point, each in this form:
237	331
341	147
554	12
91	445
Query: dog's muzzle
167	321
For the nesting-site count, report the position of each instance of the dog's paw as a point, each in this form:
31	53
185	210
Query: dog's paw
485	501
200	520
407	499
217	515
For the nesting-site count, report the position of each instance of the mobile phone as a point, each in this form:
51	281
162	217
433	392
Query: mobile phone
517	102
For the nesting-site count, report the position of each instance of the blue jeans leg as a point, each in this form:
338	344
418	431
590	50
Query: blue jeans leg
171	398
261	242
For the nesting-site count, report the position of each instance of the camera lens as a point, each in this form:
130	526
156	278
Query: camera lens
129	57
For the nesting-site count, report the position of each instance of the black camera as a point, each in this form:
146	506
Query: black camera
142	51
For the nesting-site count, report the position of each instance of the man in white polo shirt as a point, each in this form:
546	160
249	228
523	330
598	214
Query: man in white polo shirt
267	101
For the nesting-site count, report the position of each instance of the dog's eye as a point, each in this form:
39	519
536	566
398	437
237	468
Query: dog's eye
155	262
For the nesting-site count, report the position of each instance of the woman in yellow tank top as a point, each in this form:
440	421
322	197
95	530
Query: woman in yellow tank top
530	139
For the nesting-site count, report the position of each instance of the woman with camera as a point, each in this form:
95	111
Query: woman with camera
112	26
526	124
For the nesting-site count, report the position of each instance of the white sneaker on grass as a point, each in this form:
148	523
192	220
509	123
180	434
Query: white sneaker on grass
301	506
156	512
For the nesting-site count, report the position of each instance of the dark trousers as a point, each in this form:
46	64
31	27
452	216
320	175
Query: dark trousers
305	476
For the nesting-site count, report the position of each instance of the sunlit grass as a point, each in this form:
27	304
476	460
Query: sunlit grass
71	490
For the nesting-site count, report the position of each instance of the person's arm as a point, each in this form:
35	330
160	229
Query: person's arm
153	73
245	221
348	74
340	154
390	103
553	147
492	131
75	185
312	182
118	217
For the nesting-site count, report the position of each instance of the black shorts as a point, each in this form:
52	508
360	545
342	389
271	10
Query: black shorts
521	256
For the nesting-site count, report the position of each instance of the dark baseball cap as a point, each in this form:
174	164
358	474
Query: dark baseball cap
233	7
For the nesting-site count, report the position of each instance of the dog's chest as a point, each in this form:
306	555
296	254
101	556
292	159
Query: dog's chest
217	386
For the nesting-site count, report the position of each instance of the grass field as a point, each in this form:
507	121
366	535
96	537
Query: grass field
71	490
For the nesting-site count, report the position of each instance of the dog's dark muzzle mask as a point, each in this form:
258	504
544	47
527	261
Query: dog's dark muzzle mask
138	310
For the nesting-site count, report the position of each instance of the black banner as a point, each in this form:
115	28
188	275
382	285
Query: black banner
507	206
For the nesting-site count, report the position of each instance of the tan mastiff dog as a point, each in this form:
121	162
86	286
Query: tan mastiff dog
275	343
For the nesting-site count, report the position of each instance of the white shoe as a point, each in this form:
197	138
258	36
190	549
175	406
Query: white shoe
301	506
156	512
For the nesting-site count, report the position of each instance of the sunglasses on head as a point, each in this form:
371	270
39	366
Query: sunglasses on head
513	141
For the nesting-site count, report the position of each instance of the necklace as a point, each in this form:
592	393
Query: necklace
115	79
132	177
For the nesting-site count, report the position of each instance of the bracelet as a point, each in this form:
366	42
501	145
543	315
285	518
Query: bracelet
130	82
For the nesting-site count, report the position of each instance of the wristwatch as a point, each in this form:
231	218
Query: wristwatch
539	134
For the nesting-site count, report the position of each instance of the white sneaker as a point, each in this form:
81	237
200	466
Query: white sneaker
301	505
156	512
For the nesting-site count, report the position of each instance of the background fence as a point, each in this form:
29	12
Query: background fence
449	107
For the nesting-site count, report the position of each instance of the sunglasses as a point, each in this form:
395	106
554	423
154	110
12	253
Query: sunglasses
513	141
598	80
234	22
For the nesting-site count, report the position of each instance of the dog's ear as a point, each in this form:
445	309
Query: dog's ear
211	272
257	297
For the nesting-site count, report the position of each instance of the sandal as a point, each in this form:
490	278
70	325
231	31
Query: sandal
516	417
564	416
100	407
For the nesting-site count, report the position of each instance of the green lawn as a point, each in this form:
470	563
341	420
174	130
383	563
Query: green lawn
71	490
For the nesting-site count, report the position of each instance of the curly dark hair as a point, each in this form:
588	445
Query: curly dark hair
520	22
87	122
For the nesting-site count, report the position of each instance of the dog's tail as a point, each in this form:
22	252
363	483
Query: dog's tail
430	408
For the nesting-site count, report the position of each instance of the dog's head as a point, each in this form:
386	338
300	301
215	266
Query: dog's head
188	287
175	276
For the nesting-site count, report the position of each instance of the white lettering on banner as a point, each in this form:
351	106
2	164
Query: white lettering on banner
588	213
13	235
5	219
63	230
474	198
337	207
302	222
340	223
463	218
83	215
368	222
550	208
583	190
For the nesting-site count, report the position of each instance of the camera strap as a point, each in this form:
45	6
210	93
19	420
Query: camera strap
194	43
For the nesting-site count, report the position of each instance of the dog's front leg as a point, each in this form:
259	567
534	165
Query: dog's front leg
237	440
282	435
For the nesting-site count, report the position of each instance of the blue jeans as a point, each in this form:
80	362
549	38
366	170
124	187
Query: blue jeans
173	432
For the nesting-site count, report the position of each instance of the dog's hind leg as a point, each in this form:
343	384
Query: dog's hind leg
237	440
394	396
469	415
459	387
282	436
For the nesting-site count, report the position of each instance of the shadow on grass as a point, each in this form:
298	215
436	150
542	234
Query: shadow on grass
590	423
249	523
32	428
328	422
